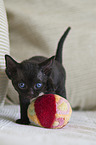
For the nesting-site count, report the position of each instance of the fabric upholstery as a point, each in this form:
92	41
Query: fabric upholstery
80	130
4	49
35	28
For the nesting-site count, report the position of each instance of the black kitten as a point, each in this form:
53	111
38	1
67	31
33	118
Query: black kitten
37	75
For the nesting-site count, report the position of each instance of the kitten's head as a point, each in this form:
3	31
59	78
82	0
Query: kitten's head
29	79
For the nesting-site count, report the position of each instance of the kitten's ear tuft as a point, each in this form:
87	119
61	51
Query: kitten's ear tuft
11	65
46	65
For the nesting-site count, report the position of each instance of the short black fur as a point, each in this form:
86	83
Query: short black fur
48	73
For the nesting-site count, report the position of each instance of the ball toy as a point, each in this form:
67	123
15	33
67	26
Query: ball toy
49	111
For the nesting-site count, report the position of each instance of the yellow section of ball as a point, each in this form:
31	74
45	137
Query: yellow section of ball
32	114
56	123
57	98
63	107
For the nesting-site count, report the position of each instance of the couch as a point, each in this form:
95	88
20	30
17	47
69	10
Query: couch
34	28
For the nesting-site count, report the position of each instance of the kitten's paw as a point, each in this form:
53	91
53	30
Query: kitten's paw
20	121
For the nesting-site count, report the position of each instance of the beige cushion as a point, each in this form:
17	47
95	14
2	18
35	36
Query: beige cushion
35	28
81	130
4	49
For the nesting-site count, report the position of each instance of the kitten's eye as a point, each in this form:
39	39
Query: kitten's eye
38	85
21	85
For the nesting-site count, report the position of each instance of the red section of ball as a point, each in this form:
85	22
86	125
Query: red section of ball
45	108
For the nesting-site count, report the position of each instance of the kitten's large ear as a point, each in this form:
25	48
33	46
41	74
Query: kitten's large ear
46	65
11	65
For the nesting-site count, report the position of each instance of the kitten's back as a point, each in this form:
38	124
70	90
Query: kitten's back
37	59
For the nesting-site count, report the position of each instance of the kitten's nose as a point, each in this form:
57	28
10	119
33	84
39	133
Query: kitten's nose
30	92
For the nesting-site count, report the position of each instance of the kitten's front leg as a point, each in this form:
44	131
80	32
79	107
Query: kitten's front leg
24	103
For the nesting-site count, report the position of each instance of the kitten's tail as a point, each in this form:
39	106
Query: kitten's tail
60	46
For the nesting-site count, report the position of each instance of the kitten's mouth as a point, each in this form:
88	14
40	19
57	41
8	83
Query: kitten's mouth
32	98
